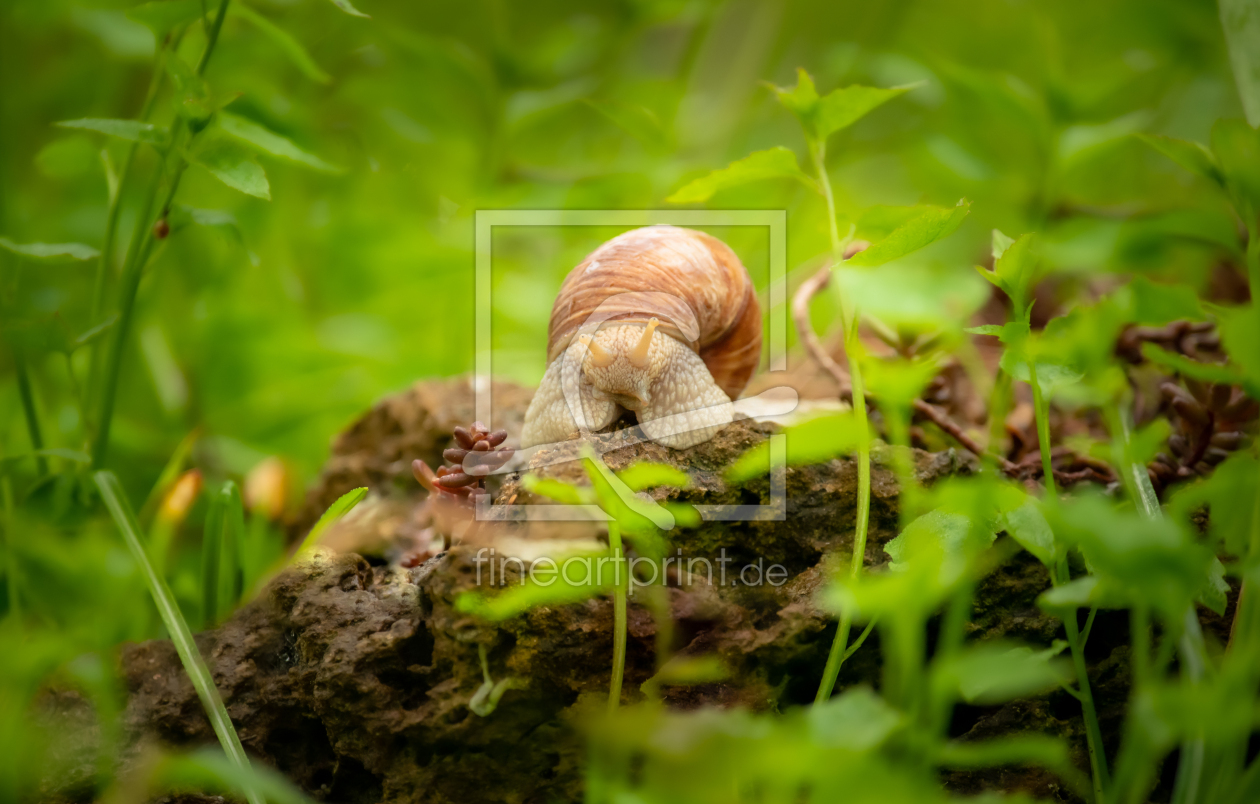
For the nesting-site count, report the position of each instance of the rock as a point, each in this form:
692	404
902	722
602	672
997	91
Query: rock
354	679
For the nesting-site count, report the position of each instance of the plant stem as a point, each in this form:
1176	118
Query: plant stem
852	348
137	254
1093	734
1042	411
10	555
619	618
27	396
177	627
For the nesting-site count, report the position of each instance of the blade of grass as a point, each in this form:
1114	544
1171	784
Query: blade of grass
335	511
619	620
176	626
211	547
28	409
231	544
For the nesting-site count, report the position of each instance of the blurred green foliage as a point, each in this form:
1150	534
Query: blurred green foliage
261	327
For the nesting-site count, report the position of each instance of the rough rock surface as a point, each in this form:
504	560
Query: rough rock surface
354	678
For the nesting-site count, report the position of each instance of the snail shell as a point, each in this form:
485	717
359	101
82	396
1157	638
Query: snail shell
691	281
663	321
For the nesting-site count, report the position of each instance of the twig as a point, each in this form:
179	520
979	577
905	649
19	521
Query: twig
805	331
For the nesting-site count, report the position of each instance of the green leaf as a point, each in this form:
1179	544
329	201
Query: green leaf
1016	749
336	511
986	329
1014	269
685	671
1211	372
345	6
898	382
1229	494
1237	149
133	130
644	475
856	720
1027	526
166	15
232	165
637	515
929	225
1049	374
176	626
556	584
839	109
1149	441
995	672
950	530
774	163
1001	243
1192	156
208	770
912	297
817	440
1240	334
1215	588
182	216
282	39
1242	34
557	490
1155	305
50	252
269	142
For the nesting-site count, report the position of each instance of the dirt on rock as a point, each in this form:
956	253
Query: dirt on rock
353	675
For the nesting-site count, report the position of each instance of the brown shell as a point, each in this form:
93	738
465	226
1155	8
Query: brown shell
691	281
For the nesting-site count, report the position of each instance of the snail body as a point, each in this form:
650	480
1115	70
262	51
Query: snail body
662	321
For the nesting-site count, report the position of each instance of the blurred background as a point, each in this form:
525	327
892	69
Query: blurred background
263	327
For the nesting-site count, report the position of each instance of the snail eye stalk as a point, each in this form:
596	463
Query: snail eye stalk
639	355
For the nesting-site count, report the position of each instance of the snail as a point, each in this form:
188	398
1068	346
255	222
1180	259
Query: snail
662	321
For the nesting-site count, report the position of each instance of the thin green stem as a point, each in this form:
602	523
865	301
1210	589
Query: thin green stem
620	581
138	253
999	402
848	322
1093	734
1042	411
27	395
10	553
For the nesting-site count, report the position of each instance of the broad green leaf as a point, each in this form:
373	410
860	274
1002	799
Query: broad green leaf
843	107
176	626
1240	334
644	475
1230	496
1049	374
986	329
817	440
50	252
1001	243
994	672
1241	23
210	771
912	297
823	116
929	225
1015	269
898	382
1155	305
69	157
637	516
267	141
1153	562
558	490
686	671
774	163
283	40
1027	526
1237	149
550	582
855	720
133	130
1192	156
1211	372
166	15
232	165
1215	588
340	507
948	528
346	6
